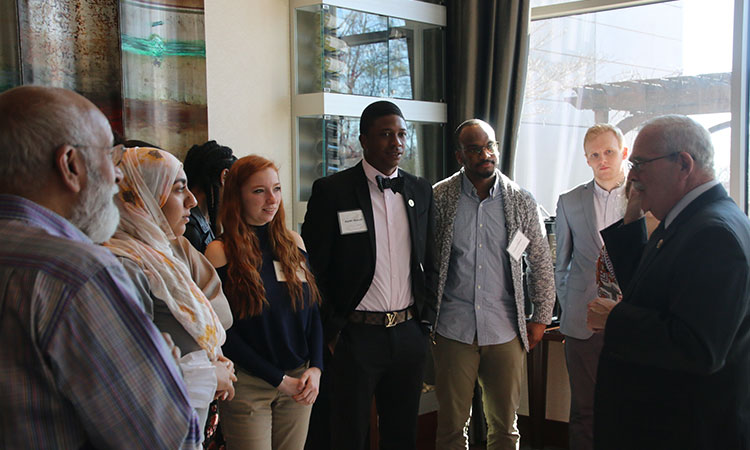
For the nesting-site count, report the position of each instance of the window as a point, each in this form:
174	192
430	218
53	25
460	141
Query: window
622	66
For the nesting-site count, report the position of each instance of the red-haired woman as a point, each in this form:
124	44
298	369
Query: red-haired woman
277	340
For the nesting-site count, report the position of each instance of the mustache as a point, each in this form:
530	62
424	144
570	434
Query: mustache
637	185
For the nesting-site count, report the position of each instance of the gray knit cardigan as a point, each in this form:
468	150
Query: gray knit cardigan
521	212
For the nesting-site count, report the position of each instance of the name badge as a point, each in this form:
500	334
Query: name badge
351	222
518	245
280	273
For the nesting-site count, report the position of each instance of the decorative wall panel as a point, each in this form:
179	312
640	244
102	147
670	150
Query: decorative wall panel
74	44
164	73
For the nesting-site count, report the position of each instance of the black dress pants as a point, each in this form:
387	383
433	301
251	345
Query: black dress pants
388	363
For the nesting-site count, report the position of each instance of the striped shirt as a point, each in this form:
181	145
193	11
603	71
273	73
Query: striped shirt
80	363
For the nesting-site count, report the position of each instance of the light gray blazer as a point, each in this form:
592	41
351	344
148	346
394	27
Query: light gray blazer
521	212
578	248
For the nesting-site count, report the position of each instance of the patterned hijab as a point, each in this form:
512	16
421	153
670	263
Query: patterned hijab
144	236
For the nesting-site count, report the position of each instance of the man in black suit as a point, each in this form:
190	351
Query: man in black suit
675	368
369	235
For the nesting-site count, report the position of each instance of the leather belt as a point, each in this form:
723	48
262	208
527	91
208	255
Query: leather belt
386	319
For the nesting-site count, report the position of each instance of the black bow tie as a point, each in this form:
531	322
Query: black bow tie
394	184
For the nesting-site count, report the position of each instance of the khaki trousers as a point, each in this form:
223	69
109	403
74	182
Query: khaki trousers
499	369
260	417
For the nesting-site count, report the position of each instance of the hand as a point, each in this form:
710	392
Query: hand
310	384
598	312
227	395
173	349
290	386
535	333
633	210
230	365
224	378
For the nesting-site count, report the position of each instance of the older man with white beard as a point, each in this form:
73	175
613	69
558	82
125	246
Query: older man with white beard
82	366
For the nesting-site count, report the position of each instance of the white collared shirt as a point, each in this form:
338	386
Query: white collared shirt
609	206
686	200
390	289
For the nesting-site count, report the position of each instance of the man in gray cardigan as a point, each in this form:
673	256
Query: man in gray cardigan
485	226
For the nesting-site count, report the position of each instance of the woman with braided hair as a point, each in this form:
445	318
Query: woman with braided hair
206	167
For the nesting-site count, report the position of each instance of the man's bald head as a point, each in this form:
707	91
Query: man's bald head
57	152
35	121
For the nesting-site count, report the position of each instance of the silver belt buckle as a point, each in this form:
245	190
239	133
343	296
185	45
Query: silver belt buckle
390	319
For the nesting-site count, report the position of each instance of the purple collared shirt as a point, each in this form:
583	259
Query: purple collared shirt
80	363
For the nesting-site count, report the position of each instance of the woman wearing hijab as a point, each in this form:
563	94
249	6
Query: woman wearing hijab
179	289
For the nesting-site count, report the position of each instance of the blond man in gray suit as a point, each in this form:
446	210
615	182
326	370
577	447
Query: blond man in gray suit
581	213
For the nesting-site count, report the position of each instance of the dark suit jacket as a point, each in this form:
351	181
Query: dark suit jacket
675	369
345	264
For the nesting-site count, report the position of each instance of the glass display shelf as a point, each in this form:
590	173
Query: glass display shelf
345	51
328	144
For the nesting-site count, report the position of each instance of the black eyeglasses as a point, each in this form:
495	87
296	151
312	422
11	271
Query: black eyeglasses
116	152
477	149
637	164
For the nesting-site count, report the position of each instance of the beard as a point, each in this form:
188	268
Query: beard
96	214
485	172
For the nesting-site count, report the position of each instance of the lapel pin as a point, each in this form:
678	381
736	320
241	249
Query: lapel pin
411	203
658	244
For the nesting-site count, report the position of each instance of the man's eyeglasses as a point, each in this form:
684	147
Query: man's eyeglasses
637	164
116	152
477	149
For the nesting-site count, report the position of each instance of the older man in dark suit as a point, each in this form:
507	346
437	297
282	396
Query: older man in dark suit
368	231
675	365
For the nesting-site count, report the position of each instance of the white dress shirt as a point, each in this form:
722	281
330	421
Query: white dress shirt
686	200
609	206
390	289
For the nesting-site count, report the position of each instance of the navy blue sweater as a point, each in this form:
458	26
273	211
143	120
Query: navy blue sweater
279	339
